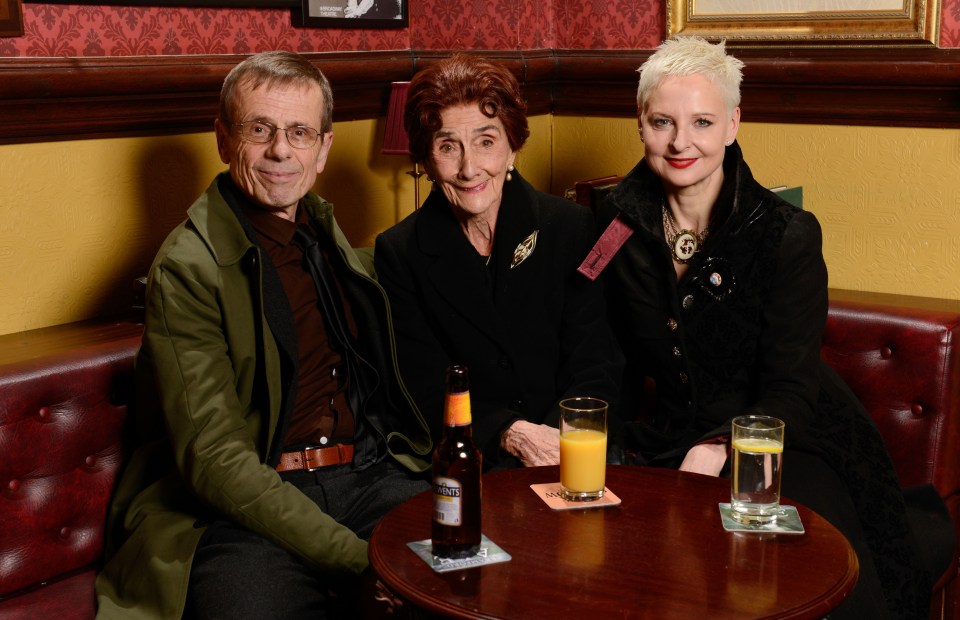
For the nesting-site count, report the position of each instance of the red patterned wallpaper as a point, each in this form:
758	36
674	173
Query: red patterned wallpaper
94	30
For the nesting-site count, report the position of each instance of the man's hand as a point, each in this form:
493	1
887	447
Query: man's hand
705	459
375	599
533	444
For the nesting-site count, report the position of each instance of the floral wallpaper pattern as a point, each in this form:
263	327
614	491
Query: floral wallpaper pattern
89	30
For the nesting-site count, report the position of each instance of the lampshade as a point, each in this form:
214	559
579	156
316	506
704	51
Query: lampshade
395	140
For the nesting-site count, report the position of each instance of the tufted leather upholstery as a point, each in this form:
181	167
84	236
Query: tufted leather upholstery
901	357
63	400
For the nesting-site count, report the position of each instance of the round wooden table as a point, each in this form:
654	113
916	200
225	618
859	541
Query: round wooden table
662	553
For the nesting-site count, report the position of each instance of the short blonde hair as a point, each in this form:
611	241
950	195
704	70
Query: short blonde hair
682	56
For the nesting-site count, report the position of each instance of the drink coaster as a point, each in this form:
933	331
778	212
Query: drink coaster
787	522
549	492
490	553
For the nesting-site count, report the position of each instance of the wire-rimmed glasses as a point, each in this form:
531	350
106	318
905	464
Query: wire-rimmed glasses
262	132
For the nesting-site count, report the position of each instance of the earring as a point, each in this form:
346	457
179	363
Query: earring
509	170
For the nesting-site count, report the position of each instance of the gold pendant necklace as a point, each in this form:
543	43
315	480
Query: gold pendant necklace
683	242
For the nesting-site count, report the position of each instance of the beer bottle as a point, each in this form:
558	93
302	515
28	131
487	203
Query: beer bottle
456	475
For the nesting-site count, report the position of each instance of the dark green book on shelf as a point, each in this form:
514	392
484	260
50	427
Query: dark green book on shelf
793	195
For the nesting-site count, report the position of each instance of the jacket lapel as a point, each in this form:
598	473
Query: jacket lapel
517	272
457	274
454	270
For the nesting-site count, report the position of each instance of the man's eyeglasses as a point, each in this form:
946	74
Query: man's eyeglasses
261	132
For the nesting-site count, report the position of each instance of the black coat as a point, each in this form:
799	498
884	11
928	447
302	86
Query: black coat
530	334
739	334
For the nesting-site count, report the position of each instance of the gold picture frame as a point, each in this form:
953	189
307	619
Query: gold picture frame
807	23
11	18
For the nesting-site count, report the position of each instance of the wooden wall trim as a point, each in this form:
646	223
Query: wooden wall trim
892	87
48	99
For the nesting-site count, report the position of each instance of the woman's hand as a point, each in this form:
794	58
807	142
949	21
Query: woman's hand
533	444
705	459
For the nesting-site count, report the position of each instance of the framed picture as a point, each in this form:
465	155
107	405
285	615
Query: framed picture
354	13
11	18
802	23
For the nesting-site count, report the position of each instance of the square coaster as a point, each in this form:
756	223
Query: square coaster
787	522
490	553
549	492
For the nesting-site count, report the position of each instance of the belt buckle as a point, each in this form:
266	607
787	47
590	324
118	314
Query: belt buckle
306	459
341	449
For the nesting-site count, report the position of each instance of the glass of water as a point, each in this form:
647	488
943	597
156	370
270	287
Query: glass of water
757	444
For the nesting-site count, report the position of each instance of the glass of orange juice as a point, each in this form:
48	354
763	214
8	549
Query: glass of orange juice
583	448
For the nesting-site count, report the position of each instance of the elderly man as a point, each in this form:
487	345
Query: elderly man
272	429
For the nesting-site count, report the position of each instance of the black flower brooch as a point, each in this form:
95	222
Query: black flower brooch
716	278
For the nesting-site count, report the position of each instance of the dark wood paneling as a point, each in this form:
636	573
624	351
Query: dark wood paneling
47	99
882	86
54	99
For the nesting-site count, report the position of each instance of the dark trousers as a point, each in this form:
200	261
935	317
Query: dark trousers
238	575
809	480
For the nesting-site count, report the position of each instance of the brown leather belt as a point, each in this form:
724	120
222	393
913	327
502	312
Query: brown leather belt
315	458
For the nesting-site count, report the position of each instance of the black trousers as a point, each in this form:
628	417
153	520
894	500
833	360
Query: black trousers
810	481
238	575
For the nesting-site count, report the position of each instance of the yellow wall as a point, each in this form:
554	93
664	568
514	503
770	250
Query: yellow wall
80	220
888	199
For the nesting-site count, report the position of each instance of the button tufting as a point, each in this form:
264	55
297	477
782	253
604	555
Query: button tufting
917	409
90	460
886	353
44	413
65	532
13	486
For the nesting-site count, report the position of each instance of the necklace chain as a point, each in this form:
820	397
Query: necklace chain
683	242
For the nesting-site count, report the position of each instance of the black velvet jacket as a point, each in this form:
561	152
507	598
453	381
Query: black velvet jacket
738	334
531	333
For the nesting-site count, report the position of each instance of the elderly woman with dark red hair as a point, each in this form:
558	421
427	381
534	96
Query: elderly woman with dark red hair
484	274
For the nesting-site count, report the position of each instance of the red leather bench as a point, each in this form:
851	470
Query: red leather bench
901	356
63	400
64	391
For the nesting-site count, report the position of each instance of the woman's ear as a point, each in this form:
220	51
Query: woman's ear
734	126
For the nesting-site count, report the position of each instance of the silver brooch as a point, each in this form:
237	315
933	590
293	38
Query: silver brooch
524	250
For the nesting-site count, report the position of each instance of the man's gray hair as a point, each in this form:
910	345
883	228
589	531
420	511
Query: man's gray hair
276	69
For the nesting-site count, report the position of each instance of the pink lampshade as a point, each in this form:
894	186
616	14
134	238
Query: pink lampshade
395	140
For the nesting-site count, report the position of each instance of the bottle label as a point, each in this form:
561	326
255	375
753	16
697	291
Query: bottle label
446	501
457	409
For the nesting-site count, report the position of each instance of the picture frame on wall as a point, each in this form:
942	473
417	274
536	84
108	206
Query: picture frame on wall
354	13
807	23
11	18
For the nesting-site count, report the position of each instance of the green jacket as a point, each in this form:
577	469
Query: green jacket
211	390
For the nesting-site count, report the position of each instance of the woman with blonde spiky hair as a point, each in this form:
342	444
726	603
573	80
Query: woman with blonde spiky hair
719	294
